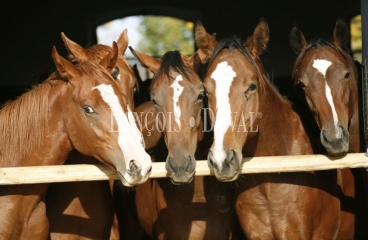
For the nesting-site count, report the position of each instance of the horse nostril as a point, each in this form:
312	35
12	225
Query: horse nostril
231	158
133	167
189	165
211	163
324	136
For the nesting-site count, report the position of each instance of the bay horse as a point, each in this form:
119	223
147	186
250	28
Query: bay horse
327	74
74	109
184	206
71	213
252	118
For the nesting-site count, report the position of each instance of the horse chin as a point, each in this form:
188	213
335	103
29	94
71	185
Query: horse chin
126	183
228	177
175	182
182	180
337	150
338	153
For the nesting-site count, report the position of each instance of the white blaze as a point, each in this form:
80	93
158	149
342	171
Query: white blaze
178	89
133	124
322	65
129	138
223	77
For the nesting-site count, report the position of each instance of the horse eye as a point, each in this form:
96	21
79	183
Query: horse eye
153	100
301	84
88	110
135	88
347	75
201	96
252	87
115	73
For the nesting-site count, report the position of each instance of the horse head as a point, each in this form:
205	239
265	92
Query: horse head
233	82
327	74
177	93
97	119
123	73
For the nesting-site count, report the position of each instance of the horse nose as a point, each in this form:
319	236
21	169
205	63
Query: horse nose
336	142
149	170
228	161
186	164
210	161
134	168
345	133
230	158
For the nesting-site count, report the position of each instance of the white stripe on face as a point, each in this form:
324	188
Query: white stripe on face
133	124
178	89
322	65
223	77
128	138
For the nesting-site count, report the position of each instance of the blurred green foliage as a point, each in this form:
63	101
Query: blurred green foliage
161	34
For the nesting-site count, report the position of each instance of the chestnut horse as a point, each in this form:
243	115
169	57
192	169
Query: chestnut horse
201	208
71	213
327	73
73	109
252	118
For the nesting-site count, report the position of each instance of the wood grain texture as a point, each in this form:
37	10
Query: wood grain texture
87	172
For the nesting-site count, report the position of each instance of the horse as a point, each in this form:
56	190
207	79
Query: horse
69	209
183	206
142	94
327	74
75	108
146	112
252	118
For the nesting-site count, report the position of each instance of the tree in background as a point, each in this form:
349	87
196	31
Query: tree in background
161	34
356	37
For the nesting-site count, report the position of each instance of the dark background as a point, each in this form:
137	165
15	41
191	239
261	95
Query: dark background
31	28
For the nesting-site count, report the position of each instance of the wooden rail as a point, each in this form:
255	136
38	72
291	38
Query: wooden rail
86	172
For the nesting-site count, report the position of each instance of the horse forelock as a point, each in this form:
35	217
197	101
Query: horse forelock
20	124
232	43
95	72
319	43
172	62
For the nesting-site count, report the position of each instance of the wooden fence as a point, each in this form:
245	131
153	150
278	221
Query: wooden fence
88	172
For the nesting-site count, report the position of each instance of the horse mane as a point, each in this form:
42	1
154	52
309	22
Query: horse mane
19	120
233	42
318	43
171	61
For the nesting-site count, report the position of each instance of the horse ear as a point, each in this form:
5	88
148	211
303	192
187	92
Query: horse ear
76	52
341	33
110	60
194	61
63	67
205	42
297	40
257	43
147	61
123	41
137	75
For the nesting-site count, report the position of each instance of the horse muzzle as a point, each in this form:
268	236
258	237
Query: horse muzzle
134	175
335	144
226	166
181	171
